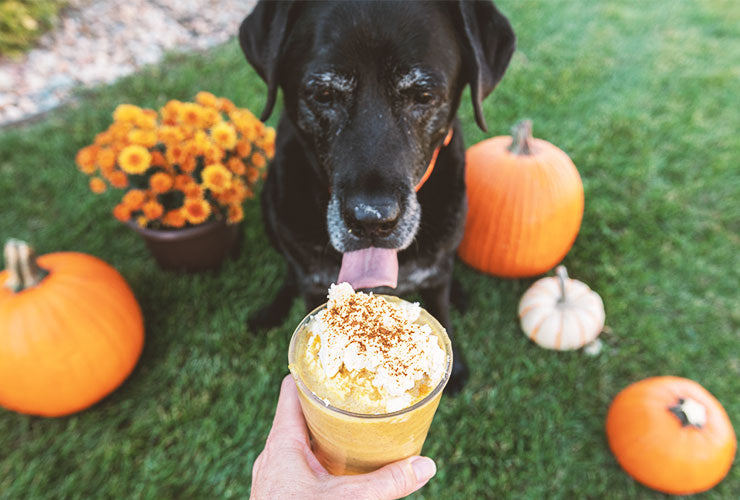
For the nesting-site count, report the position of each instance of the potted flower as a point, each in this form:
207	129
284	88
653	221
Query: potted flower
185	170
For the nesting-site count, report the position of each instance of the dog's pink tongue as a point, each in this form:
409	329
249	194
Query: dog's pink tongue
369	268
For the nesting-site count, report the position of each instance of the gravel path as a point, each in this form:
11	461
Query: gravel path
100	41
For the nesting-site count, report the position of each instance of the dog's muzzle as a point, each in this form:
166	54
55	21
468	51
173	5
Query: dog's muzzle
369	232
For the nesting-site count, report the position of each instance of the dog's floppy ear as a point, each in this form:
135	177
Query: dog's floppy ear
488	43
261	36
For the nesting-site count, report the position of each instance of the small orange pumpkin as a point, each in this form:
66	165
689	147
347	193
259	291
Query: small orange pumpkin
71	331
525	205
671	434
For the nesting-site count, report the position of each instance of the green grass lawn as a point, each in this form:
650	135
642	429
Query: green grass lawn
642	95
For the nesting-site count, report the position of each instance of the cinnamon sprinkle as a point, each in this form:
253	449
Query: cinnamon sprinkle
360	331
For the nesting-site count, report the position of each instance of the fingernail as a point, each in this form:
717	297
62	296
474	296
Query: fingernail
424	469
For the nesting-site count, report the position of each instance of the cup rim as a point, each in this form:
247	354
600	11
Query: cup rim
311	395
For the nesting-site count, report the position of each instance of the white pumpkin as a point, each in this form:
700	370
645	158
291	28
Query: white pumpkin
561	313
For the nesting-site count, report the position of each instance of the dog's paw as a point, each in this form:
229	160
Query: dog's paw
458	378
458	296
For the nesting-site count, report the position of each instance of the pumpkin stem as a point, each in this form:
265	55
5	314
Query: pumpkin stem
562	273
23	270
521	134
690	412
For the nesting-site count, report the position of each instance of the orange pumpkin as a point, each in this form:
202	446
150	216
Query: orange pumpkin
672	435
70	331
525	205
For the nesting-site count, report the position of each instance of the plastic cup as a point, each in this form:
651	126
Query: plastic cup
355	443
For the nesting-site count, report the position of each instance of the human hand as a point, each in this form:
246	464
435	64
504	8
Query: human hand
287	468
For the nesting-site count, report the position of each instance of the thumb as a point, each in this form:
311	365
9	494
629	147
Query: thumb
395	480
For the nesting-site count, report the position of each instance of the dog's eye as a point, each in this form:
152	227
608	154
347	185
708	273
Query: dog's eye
422	97
324	96
419	96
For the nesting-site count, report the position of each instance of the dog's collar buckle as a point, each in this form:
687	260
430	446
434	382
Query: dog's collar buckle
429	169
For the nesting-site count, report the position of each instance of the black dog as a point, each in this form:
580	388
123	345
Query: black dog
371	91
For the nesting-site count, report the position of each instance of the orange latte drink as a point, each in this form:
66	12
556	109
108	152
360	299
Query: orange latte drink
370	371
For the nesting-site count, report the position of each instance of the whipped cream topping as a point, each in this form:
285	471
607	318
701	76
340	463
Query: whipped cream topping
360	331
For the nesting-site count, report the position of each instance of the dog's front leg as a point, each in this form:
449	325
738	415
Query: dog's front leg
275	312
458	296
437	302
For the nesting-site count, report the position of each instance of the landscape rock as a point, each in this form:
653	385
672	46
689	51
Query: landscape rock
96	42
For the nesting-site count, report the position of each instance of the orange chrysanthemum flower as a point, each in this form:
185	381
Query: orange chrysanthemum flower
267	143
213	154
224	135
181	156
246	128
158	159
193	191
269	135
252	175
188	164
228	196
170	134
216	178
146	138
127	113
196	211
160	182
174	218
207	99
118	179
236	213
152	210
134	159
199	144
236	166
241	190
106	159
97	185
269	150
259	128
142	221
242	115
258	160
182	181
134	199
119	132
122	212
209	117
176	154
190	114
243	148
226	105
170	112
86	158
147	119
104	138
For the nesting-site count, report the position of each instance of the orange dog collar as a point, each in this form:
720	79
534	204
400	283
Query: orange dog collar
429	169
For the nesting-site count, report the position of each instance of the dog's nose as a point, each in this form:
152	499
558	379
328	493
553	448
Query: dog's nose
366	218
